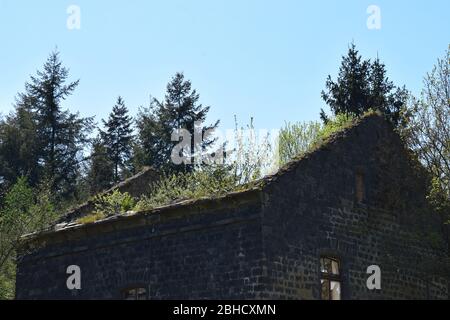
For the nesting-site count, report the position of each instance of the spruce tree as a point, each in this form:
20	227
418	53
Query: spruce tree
180	109
61	134
118	138
384	95
362	85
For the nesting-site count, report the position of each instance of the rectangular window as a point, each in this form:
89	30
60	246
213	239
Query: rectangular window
360	190
330	279
135	294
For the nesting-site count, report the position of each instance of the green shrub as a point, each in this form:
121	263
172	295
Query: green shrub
114	203
210	181
338	123
298	138
25	210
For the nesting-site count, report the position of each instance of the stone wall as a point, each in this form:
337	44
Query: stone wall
311	211
185	252
264	243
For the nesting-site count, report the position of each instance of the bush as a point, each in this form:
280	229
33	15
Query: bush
209	181
109	205
24	211
299	138
252	156
338	123
113	203
249	160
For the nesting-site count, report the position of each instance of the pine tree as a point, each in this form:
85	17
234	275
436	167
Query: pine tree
61	134
362	85
101	169
180	109
118	138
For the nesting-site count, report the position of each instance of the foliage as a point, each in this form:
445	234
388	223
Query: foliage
91	218
251	156
206	182
24	211
428	132
113	203
101	169
209	181
296	139
361	85
244	164
19	147
7	280
41	140
337	123
62	135
180	109
439	198
117	139
109	204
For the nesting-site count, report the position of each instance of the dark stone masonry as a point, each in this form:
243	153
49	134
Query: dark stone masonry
309	231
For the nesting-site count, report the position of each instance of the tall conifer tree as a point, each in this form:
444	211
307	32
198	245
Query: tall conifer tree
180	109
101	169
362	85
118	138
60	135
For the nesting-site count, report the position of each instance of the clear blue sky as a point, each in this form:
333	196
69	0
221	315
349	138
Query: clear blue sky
267	59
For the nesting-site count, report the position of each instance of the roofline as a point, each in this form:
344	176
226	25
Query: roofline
333	138
91	201
72	231
252	194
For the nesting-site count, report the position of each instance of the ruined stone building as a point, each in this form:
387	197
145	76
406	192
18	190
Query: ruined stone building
310	231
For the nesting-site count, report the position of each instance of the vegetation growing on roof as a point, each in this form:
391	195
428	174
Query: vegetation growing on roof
219	180
244	165
108	205
299	138
209	182
96	216
114	203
